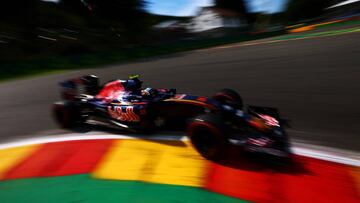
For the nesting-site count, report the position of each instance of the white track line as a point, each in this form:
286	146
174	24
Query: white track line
318	152
327	156
86	136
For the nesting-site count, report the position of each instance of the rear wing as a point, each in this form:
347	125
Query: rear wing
70	89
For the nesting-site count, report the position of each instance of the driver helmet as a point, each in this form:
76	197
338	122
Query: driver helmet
134	83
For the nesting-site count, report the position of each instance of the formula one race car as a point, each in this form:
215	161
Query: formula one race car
211	123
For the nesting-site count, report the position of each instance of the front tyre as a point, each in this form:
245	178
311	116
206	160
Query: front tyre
207	135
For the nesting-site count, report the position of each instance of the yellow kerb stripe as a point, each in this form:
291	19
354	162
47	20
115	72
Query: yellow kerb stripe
166	162
9	158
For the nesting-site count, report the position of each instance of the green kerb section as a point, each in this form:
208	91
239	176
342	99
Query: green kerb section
341	23
318	34
83	188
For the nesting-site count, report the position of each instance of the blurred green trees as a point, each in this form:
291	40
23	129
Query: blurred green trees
298	10
31	13
20	11
36	27
129	15
237	5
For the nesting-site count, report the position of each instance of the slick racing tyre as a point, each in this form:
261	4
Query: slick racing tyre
229	97
207	135
66	114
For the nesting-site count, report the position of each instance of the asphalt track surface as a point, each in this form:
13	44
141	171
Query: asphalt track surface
314	82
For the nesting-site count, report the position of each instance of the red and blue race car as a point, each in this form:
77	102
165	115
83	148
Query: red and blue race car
212	124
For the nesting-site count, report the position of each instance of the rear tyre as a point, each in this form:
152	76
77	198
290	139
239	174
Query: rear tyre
229	97
67	114
207	134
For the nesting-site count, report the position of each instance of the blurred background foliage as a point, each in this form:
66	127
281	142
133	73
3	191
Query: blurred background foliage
298	10
35	29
